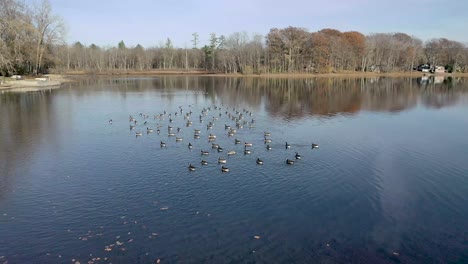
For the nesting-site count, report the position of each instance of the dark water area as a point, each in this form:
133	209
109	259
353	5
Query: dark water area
388	183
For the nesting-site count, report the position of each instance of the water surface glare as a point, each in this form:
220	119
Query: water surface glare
388	183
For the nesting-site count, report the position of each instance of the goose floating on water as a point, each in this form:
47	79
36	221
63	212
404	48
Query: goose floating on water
220	160
178	139
315	146
162	144
204	162
110	121
248	144
204	152
149	130
259	161
190	145
231	152
268	147
297	156
289	162
224	169
191	167
138	134
287	145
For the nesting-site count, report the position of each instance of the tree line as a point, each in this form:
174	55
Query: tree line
32	42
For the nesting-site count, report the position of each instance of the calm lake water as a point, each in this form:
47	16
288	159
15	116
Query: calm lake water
389	183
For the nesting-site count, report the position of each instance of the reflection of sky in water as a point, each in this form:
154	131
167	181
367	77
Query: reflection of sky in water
390	174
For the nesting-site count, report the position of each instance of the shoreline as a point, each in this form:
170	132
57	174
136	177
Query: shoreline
264	75
54	81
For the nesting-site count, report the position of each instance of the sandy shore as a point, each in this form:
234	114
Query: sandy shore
47	82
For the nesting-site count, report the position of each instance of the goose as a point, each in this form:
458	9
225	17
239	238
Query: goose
215	146
220	160
132	127
144	123
267	140
297	156
287	145
170	120
230	134
259	161
209	127
237	141
204	162
231	152
158	131
162	144
247	144
136	122
197	131
268	147
227	127
171	134
110	121
220	149
247	151
189	123
178	130
289	162
224	169
191	167
315	146
204	152
138	134
196	136
178	139
149	130
190	145
169	128
211	136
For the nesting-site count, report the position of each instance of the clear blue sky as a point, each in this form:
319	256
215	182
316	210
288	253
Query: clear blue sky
151	22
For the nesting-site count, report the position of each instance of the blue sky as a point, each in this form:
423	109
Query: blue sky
150	23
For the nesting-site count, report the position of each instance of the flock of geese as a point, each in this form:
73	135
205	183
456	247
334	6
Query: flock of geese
239	117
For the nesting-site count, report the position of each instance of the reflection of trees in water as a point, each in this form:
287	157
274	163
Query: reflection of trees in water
27	118
295	97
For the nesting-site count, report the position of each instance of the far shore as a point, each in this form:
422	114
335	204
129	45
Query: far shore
53	81
262	75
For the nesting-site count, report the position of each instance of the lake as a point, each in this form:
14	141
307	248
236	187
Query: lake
388	183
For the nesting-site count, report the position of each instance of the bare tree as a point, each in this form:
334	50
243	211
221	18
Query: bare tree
49	30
